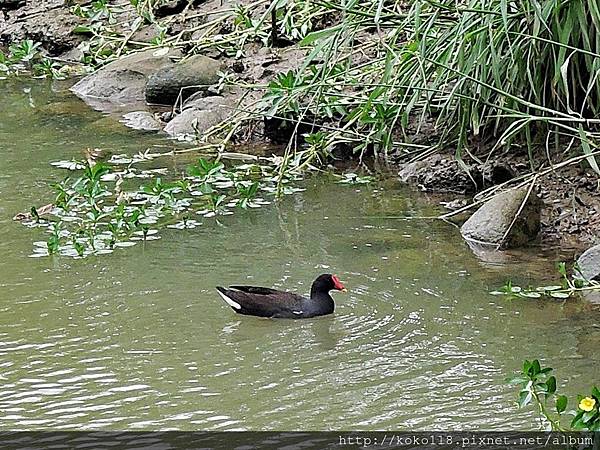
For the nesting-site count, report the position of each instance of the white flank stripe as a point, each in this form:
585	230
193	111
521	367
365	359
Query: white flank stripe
298	312
229	301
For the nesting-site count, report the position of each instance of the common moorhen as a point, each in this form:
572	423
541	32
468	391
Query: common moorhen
266	302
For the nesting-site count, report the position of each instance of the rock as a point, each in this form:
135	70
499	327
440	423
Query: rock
141	120
49	22
167	116
592	297
146	34
187	77
410	172
588	264
199	115
73	55
490	223
588	268
122	82
441	174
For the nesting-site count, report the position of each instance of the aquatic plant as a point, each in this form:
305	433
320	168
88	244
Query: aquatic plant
354	178
539	387
247	192
203	169
569	287
25	57
24	51
53	242
93	213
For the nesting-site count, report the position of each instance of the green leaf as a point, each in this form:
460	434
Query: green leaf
550	288
589	415
596	393
562	268
516	379
576	422
551	385
531	294
561	403
206	188
535	367
82	29
559	294
319	34
524	398
587	150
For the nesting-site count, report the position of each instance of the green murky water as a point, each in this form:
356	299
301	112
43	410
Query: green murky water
140	340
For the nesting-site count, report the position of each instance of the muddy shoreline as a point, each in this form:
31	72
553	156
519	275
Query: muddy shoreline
571	205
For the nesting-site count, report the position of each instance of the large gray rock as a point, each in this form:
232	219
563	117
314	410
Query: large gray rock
199	114
123	82
194	74
491	224
588	264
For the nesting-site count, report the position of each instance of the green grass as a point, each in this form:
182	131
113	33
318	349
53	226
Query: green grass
491	74
476	76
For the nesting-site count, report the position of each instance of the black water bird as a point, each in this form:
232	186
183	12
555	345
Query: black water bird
266	302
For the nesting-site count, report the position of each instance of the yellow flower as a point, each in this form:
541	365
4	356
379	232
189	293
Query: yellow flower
587	404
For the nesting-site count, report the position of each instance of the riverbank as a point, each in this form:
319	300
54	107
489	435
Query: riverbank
569	194
253	75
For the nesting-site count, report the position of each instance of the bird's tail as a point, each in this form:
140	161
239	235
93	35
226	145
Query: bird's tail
224	295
